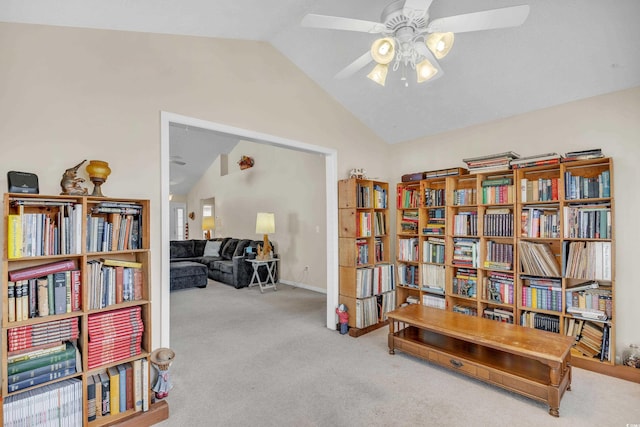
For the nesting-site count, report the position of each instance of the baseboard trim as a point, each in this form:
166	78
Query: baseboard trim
157	412
304	286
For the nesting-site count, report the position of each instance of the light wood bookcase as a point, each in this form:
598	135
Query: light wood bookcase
364	248
495	226
81	256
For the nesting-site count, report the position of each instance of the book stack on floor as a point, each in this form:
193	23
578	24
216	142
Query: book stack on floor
26	368
114	335
536	160
491	163
118	389
32	407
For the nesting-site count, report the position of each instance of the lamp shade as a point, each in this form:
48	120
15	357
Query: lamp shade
265	223
208	223
379	74
383	50
440	44
425	70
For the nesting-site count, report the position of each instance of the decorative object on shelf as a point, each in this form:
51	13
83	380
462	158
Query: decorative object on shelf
631	356
98	171
70	182
265	224
246	162
208	225
410	39
343	318
161	359
22	182
358	173
192	216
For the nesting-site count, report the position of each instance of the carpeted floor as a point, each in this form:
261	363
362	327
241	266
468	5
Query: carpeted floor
249	359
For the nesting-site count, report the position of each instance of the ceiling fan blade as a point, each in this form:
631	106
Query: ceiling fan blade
340	23
356	65
424	51
416	7
486	20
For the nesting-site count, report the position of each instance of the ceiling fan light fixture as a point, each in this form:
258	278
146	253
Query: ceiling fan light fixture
440	44
379	74
383	50
425	70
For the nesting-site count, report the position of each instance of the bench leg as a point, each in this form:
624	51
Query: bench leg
554	412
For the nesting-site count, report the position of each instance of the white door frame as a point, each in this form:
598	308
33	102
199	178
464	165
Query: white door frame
331	179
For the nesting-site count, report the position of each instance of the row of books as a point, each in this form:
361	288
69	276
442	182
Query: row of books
498	222
434	197
542	321
114	335
538	190
497	194
408	197
380	197
409	222
112	281
592	339
433	250
55	293
498	314
31	367
465	223
380	224
537	259
38	234
408	249
363	224
375	280
466	252
113	232
42	334
542	297
465	282
465	309
587	260
540	221
464	196
433	278
581	187
372	310
45	403
499	255
408	275
379	250
362	252
587	222
588	300
498	287
118	389
435	301
435	222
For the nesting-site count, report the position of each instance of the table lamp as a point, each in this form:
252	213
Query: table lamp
208	224
265	224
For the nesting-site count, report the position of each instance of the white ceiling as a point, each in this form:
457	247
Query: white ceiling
566	50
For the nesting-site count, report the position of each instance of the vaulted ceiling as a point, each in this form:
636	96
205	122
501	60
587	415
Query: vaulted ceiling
566	50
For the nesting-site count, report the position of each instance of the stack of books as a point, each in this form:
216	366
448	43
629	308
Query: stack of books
594	153
491	163
114	335
536	160
40	365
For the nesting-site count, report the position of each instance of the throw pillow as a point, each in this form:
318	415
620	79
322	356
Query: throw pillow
212	248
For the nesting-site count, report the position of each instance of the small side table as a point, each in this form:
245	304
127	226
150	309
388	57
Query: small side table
271	265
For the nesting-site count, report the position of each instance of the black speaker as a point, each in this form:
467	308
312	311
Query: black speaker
22	182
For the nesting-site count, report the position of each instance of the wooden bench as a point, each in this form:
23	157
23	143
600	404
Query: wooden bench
527	361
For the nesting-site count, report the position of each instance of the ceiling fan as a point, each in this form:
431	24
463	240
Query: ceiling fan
410	40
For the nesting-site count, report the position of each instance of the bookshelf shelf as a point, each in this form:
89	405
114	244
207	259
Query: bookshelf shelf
51	243
496	224
367	280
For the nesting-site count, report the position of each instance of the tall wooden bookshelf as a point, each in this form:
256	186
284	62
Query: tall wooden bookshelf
501	235
367	279
71	224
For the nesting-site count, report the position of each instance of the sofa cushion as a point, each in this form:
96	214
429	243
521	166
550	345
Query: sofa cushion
212	248
224	266
182	249
241	246
198	247
229	248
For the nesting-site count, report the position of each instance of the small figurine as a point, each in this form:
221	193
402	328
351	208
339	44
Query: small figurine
161	359
343	317
70	183
358	173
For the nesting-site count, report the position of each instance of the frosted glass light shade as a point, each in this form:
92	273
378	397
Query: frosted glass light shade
425	70
379	74
265	223
383	50
440	44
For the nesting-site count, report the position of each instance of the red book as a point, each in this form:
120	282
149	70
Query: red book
119	284
137	284
129	382
41	270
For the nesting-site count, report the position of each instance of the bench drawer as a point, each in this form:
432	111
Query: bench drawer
456	364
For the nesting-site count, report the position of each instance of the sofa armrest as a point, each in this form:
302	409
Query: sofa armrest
242	272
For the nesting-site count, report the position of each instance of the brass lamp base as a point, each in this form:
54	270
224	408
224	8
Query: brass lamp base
265	252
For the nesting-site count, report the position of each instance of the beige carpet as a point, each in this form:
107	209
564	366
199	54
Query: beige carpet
249	359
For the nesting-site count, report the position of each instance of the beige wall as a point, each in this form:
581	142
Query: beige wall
289	183
69	94
610	122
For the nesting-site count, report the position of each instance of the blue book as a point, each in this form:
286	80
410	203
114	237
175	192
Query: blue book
60	292
40	379
123	387
36	372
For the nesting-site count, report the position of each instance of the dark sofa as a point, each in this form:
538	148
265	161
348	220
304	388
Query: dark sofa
226	265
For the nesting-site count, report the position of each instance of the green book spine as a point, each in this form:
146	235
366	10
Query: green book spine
27	365
52	307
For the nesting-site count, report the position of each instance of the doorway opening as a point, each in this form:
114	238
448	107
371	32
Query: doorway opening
331	202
